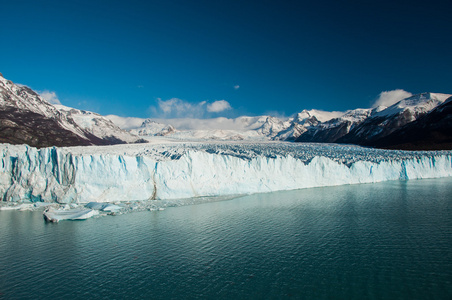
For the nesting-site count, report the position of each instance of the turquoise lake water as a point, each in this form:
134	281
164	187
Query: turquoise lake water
389	240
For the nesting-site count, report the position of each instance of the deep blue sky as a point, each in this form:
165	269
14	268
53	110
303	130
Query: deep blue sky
120	57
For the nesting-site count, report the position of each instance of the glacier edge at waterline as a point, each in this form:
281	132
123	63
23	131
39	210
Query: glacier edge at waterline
146	172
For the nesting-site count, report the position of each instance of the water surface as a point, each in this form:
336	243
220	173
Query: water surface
388	240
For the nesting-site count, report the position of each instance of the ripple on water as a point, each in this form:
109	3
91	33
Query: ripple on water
376	241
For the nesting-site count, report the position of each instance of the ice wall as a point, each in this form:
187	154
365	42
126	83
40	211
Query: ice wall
52	174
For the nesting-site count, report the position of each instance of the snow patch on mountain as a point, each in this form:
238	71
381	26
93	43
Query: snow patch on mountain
87	125
152	128
22	97
241	128
384	122
417	104
352	126
97	125
126	123
320	115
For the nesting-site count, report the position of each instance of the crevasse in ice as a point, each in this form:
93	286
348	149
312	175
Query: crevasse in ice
182	170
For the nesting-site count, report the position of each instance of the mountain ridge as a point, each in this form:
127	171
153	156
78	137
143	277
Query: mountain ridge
391	119
25	117
432	131
361	126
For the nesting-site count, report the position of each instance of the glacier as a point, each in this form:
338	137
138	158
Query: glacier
176	170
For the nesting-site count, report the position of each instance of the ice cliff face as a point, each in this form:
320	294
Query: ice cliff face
145	172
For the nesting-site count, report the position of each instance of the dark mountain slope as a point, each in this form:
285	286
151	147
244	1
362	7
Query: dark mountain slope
429	132
26	127
26	118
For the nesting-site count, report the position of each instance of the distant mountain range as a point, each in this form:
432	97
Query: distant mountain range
26	118
379	127
430	131
420	122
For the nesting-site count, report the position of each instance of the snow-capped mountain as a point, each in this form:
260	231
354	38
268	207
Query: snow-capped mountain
241	128
299	125
97	125
152	128
415	105
359	126
331	130
25	117
430	131
368	126
217	135
269	126
23	98
384	122
320	115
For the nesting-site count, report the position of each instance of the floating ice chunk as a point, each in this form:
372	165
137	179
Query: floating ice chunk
10	207
42	204
22	206
55	215
26	206
104	206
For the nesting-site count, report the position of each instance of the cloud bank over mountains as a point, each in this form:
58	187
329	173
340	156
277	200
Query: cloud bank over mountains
50	97
175	108
191	114
218	106
185	115
178	108
388	98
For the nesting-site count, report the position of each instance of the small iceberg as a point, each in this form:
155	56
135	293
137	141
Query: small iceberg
104	206
42	204
22	206
25	206
15	206
55	215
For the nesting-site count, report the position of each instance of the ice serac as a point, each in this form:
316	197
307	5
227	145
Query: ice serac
145	172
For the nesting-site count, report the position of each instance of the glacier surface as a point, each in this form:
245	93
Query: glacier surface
185	170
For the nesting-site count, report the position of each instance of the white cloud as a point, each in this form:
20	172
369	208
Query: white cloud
126	122
50	97
178	108
201	124
388	98
236	87
218	106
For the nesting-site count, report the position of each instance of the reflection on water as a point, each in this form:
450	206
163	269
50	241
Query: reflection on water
376	241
